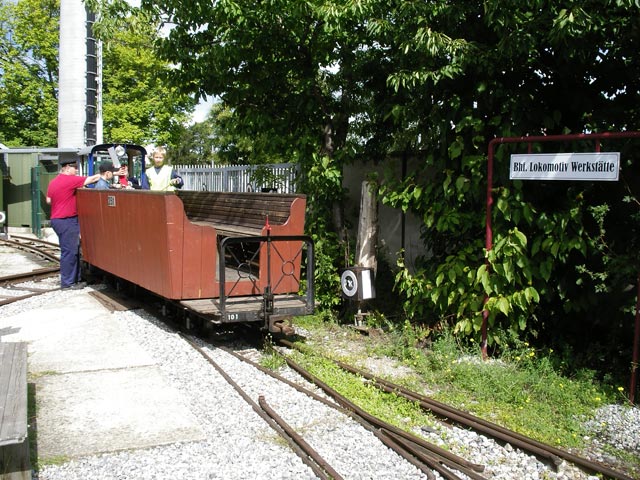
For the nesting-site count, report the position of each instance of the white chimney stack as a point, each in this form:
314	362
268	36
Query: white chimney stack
79	110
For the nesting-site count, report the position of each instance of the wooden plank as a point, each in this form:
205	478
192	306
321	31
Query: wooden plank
13	392
14	444
232	231
223	196
248	210
243	304
236	199
221	200
14	461
239	216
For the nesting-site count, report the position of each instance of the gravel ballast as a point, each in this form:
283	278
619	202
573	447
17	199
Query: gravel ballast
240	445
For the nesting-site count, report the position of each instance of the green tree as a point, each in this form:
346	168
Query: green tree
253	59
138	104
230	145
216	140
195	146
29	72
327	81
290	73
564	254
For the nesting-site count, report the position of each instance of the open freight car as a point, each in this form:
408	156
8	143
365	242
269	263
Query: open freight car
225	257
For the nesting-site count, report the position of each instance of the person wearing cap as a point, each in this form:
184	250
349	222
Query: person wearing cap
124	181
106	175
61	195
161	177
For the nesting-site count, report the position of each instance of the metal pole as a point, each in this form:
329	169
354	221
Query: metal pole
636	341
488	243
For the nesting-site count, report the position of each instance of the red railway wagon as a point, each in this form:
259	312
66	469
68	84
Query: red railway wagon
228	257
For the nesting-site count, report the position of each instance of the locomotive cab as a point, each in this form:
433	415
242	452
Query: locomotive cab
134	157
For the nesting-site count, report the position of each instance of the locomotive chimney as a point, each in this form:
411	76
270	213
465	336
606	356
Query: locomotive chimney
79	94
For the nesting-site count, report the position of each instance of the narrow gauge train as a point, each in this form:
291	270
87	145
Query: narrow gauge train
221	257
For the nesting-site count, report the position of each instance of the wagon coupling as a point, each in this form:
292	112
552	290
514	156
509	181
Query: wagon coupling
281	324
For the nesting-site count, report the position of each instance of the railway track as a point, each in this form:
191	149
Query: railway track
41	248
425	456
280	420
548	453
302	448
422	455
316	449
268	405
20	286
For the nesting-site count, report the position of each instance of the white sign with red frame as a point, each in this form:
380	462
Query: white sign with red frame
565	166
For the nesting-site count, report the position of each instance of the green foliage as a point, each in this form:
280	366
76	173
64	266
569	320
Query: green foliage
323	82
389	407
263	62
511	78
522	390
29	73
139	106
194	146
224	139
271	359
323	183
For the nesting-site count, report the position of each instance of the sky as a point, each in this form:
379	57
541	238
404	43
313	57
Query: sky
202	109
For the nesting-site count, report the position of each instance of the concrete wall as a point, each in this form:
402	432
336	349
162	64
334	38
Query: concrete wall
390	238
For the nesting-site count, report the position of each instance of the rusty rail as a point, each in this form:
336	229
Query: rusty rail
35	246
311	458
466	419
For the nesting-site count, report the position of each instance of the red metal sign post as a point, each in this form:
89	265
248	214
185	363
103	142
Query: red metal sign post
596	137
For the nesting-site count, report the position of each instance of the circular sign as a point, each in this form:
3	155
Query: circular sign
3	217
349	283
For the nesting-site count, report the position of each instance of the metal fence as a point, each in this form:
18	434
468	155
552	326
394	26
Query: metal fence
279	177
